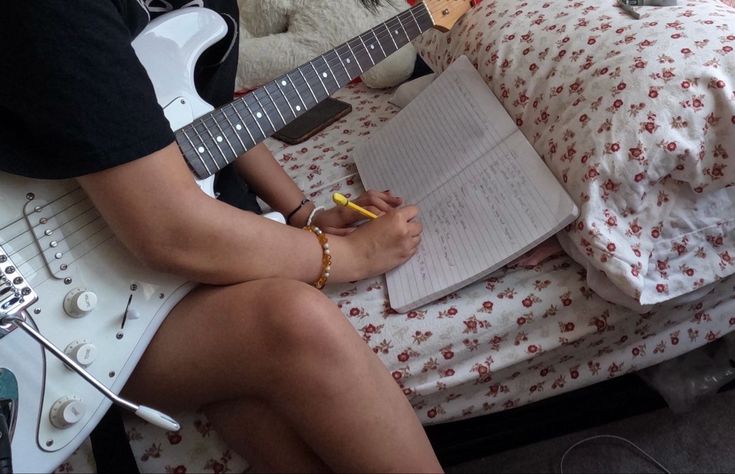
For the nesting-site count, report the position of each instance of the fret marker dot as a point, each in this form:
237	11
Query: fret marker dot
200	149
372	46
219	139
259	115
395	32
238	126
348	61
324	74
298	107
283	83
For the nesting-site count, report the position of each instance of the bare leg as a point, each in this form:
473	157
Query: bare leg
270	445
286	345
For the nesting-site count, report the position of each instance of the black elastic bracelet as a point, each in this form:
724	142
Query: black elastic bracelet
301	204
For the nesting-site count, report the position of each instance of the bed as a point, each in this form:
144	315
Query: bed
525	333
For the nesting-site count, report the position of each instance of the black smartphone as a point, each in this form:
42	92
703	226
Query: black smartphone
313	121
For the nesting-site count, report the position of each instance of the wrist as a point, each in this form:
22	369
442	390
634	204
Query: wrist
347	262
326	261
324	218
298	218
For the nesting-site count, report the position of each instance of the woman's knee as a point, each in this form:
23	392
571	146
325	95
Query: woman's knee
289	331
299	313
284	315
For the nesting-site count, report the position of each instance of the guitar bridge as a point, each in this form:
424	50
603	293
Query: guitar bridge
15	294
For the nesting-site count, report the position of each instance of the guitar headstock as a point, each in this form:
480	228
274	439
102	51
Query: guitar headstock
446	13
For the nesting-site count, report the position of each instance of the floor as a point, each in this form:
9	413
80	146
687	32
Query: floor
700	441
697	435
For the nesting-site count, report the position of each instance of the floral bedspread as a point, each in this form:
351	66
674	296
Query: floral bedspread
518	336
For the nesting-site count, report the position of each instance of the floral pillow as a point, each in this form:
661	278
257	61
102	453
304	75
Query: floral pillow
636	118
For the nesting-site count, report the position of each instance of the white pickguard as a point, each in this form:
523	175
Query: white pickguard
96	261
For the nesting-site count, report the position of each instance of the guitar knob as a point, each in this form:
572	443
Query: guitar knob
81	352
66	411
80	302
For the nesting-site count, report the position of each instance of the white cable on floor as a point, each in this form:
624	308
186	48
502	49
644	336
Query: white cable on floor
619	438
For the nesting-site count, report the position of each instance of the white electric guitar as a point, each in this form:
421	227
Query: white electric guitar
68	284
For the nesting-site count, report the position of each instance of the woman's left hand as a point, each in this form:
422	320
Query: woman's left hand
341	220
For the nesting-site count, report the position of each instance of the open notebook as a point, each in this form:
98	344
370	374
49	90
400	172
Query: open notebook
484	194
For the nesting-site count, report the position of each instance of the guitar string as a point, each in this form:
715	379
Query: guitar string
33	238
380	36
40	208
251	100
95	220
19	219
421	14
68	235
58	228
35	271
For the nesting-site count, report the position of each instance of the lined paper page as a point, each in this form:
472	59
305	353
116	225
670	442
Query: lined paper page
449	125
484	217
485	197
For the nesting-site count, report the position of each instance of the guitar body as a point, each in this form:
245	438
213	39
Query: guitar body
81	261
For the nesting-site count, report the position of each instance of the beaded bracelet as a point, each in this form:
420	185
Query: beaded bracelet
326	255
312	214
301	204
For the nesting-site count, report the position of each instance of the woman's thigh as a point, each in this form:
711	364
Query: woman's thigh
228	342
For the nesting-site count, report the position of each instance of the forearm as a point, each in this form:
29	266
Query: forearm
224	245
269	181
172	226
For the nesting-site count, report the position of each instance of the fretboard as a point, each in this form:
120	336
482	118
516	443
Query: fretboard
216	139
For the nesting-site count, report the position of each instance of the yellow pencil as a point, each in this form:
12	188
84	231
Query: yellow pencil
342	200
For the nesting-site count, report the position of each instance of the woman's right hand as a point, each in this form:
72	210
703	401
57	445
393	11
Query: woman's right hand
378	245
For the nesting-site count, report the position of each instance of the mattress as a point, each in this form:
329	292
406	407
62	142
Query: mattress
518	336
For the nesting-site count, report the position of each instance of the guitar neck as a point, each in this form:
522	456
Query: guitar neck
216	139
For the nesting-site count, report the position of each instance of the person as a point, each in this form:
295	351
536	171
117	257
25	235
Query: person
277	368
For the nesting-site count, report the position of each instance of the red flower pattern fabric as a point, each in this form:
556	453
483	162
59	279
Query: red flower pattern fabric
636	118
516	337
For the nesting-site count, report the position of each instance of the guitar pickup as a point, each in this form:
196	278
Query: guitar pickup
65	229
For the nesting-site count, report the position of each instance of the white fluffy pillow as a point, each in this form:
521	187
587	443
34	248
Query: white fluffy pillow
635	117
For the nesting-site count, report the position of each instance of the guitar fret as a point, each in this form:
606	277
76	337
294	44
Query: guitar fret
353	70
385	25
311	63
247	129
265	88
257	122
408	38
297	92
195	149
339	56
307	84
206	148
237	135
366	49
379	43
336	82
355	56
264	112
414	19
215	142
235	152
285	98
